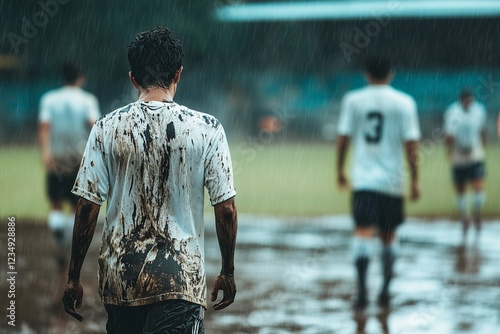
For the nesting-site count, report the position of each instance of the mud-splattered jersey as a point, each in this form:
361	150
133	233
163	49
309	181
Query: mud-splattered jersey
151	161
466	127
379	119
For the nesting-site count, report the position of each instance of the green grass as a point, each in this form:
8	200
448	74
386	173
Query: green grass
289	179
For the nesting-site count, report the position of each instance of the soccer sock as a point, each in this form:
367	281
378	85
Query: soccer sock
361	252
478	199
462	210
56	220
462	206
68	229
389	254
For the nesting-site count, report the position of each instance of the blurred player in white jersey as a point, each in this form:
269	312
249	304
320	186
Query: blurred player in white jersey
381	122
66	117
464	126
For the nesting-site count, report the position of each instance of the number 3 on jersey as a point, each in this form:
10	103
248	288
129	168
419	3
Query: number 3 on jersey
374	127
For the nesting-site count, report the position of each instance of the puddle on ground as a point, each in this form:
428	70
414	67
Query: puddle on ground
294	275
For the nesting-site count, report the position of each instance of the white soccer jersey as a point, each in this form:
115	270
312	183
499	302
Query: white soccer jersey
379	120
466	127
151	161
68	110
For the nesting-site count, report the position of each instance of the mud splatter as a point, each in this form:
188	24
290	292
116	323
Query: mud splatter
170	131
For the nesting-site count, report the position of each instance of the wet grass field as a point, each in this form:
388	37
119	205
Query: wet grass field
294	275
284	179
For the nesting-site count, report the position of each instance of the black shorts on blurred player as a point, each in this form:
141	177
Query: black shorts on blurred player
467	173
170	316
374	209
59	187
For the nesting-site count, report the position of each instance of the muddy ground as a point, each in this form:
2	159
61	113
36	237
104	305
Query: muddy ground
295	276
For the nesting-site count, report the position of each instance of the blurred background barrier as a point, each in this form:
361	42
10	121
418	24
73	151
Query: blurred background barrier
295	71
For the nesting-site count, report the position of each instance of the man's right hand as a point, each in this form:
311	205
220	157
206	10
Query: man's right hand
342	181
228	286
73	298
415	191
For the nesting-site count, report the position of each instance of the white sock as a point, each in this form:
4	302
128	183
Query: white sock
68	229
478	199
462	206
361	247
56	220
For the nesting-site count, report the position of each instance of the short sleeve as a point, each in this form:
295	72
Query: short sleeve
92	181
218	169
483	115
411	127
93	112
345	126
44	114
449	123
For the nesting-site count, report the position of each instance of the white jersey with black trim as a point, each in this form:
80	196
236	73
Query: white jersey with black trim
379	120
151	161
466	127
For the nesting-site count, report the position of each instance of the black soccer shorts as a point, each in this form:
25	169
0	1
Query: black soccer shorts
59	187
374	209
170	316
468	173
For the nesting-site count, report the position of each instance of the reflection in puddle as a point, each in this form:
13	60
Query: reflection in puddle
468	259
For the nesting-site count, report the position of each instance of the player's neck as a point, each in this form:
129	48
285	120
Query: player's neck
156	94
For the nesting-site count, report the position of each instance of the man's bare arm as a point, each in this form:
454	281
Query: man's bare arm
226	220
411	148
449	142
83	232
44	141
342	146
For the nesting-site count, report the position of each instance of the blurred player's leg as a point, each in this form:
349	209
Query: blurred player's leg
362	252
462	207
478	198
389	254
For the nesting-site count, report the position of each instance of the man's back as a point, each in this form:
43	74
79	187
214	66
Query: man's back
378	119
68	110
157	157
466	128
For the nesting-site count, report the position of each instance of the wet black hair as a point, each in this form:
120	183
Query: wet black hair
154	57
378	67
70	72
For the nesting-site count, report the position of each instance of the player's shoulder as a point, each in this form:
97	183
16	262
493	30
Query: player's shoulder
197	118
479	107
87	95
355	94
452	109
115	115
52	94
401	96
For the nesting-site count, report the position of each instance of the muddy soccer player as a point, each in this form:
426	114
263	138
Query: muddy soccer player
65	119
382	124
150	161
464	123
